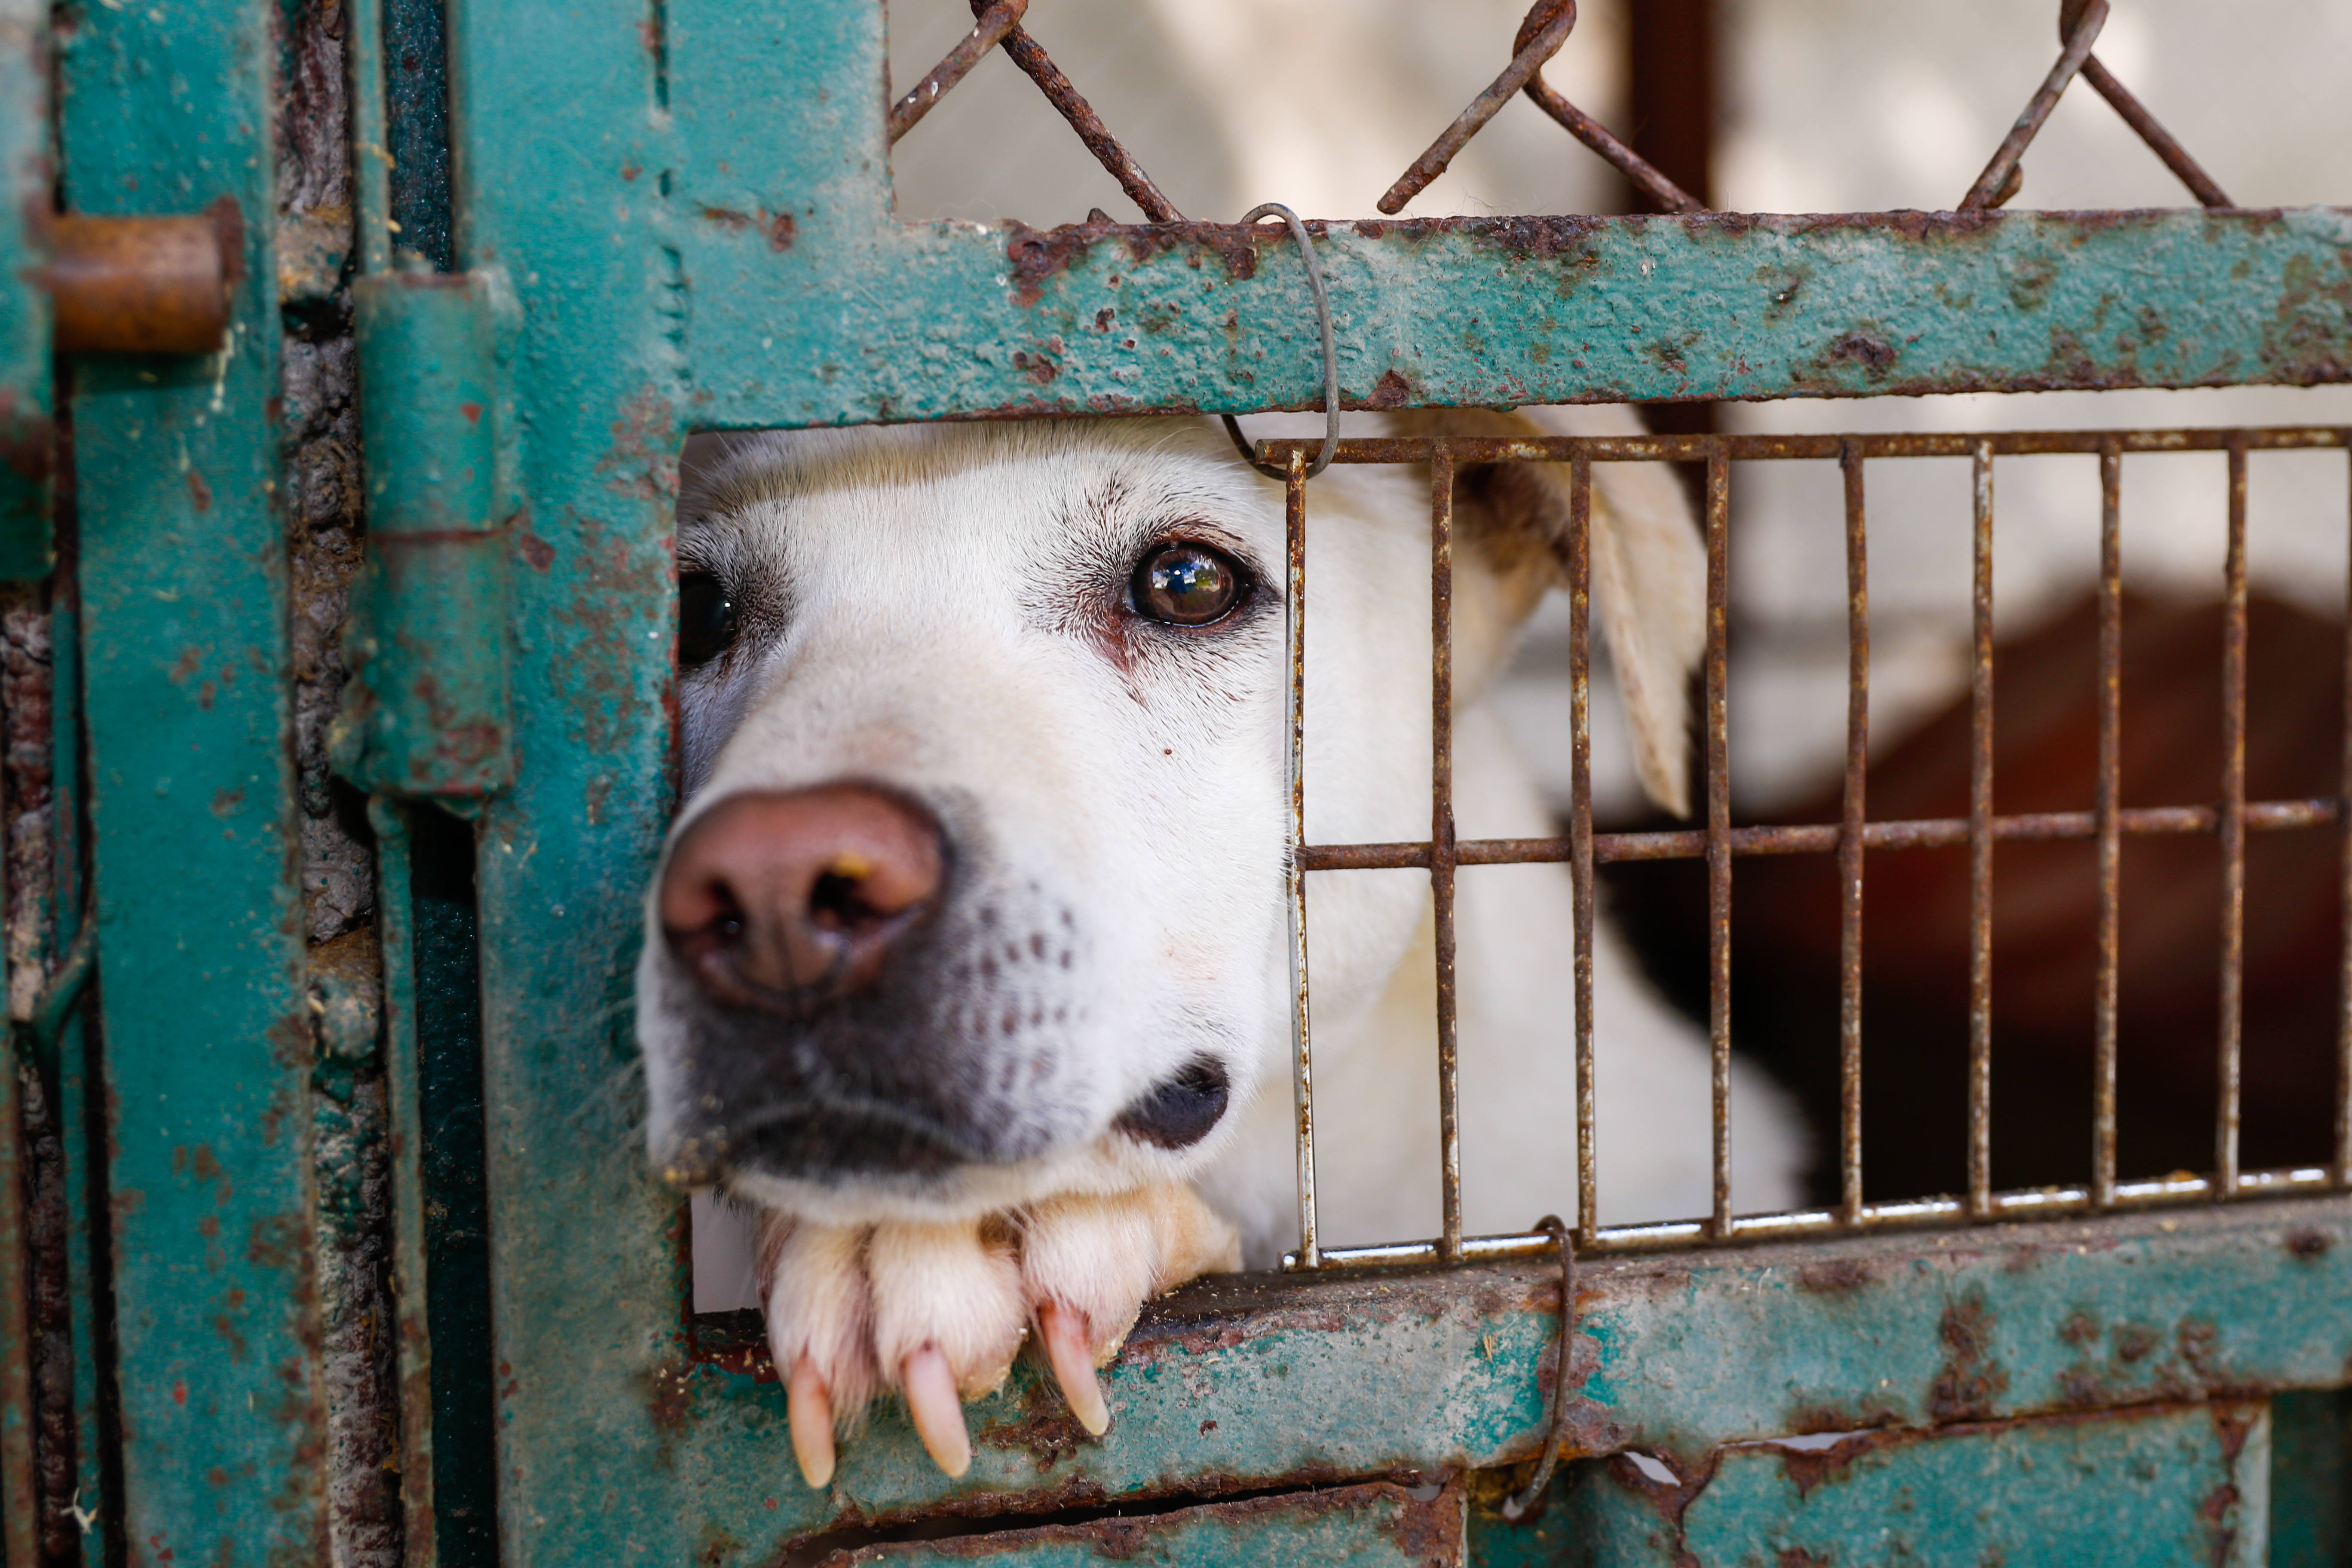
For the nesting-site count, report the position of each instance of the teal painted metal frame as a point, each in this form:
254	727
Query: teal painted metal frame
692	203
696	216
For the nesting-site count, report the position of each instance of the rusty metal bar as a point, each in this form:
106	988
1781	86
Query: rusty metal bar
1551	21
1441	842
1851	836
1998	181
1763	448
2034	1203
1718	818
2159	141
1928	833
2343	821
1623	158
1980	852
1302	1058
1073	108
1580	829
994	22
2108	815
144	285
2233	831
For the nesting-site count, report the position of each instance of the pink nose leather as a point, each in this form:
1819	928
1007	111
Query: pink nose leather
772	900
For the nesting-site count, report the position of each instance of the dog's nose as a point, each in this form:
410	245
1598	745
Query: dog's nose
777	901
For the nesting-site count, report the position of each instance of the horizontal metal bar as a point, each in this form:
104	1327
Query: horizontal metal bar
815	311
2035	1203
1819	838
1754	449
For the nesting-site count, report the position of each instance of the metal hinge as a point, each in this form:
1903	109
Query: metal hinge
426	713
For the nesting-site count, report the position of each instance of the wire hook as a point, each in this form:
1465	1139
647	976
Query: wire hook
1330	355
1516	1507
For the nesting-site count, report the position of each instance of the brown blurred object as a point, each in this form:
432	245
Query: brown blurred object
143	285
2046	904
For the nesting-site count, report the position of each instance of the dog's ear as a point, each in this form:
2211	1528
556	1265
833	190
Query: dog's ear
1649	565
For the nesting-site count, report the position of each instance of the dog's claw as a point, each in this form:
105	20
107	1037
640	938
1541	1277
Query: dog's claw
1064	1334
938	1410
810	1407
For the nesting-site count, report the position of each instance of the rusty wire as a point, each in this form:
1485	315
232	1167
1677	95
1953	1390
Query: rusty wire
2108	812
987	32
1542	32
2229	819
2079	22
1440	849
1515	1506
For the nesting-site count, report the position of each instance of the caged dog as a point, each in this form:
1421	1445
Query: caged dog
967	972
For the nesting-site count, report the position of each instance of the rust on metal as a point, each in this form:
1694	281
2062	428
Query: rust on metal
1441	844
1718	819
1980	851
986	33
1541	34
1545	29
144	285
1850	841
1294	592
1468	450
2233	830
1072	107
1999	181
1926	832
2159	141
1579	832
2108	818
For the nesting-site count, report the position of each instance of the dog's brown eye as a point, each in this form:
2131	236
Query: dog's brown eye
706	618
1187	584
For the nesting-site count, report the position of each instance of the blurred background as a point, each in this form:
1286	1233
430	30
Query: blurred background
1837	106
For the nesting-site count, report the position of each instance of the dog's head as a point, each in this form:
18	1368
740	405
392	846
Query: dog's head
977	891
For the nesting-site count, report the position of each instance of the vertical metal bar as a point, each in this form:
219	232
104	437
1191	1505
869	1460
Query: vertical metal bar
1302	1074
1440	841
1579	857
395	929
2344	825
20	1536
370	149
1857	766
2233	826
1718	818
1981	854
2108	804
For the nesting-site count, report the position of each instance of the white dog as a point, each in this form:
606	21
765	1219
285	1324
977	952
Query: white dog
966	962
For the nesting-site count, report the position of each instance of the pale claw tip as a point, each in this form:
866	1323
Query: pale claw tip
937	1409
1066	1350
809	1408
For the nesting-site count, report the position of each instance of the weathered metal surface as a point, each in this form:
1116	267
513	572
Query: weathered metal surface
158	284
2187	1485
1377	1526
208	1039
426	709
25	404
2311	1478
947	319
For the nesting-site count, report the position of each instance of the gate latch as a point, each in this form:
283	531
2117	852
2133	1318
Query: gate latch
425	714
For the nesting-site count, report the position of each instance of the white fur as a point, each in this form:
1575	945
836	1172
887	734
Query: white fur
935	633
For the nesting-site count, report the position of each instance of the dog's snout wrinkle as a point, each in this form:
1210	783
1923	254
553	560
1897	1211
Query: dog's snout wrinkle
780	901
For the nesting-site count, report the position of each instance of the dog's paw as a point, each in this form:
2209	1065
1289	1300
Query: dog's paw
936	1312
